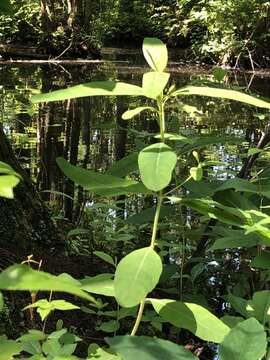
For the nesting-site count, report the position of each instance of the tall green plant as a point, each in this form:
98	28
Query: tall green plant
138	273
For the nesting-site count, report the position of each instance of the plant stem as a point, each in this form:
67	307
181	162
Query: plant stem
161	120
156	220
139	318
157	213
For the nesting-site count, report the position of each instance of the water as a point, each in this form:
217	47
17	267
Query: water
90	131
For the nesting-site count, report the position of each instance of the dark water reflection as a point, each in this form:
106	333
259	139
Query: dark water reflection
90	131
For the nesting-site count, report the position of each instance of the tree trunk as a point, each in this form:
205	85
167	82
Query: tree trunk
25	222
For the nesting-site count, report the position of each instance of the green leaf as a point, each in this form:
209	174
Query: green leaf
156	164
155	53
154	83
7	184
222	94
22	277
261	306
45	307
214	210
32	335
261	261
101	184
136	275
239	304
101	284
105	257
175	137
124	166
5	6
231	321
97	88
196	173
219	74
109	326
96	352
147	215
129	114
246	341
148	348
192	317
9	348
1	302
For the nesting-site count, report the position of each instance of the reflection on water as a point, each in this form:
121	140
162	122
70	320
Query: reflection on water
90	131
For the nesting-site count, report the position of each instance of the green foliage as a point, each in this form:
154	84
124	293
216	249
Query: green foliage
8	180
156	164
22	277
234	204
246	341
132	347
193	317
136	275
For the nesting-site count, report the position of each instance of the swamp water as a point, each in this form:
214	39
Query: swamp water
91	133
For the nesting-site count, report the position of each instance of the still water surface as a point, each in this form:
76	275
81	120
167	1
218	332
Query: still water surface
90	131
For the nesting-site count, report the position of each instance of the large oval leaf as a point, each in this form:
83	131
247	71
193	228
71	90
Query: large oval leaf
154	83
136	275
148	348
101	284
192	317
97	88
223	94
156	163
246	341
22	277
101	184
155	53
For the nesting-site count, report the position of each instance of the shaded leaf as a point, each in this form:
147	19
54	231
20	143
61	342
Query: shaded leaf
192	317
136	275
148	348
246	341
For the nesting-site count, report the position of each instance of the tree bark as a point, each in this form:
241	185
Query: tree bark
25	222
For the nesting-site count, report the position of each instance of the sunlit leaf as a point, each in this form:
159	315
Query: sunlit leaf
154	83
9	348
155	53
222	94
129	114
196	173
156	164
98	88
22	277
136	275
192	317
45	307
7	184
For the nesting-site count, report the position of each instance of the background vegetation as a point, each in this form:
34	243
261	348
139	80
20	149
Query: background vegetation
226	32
